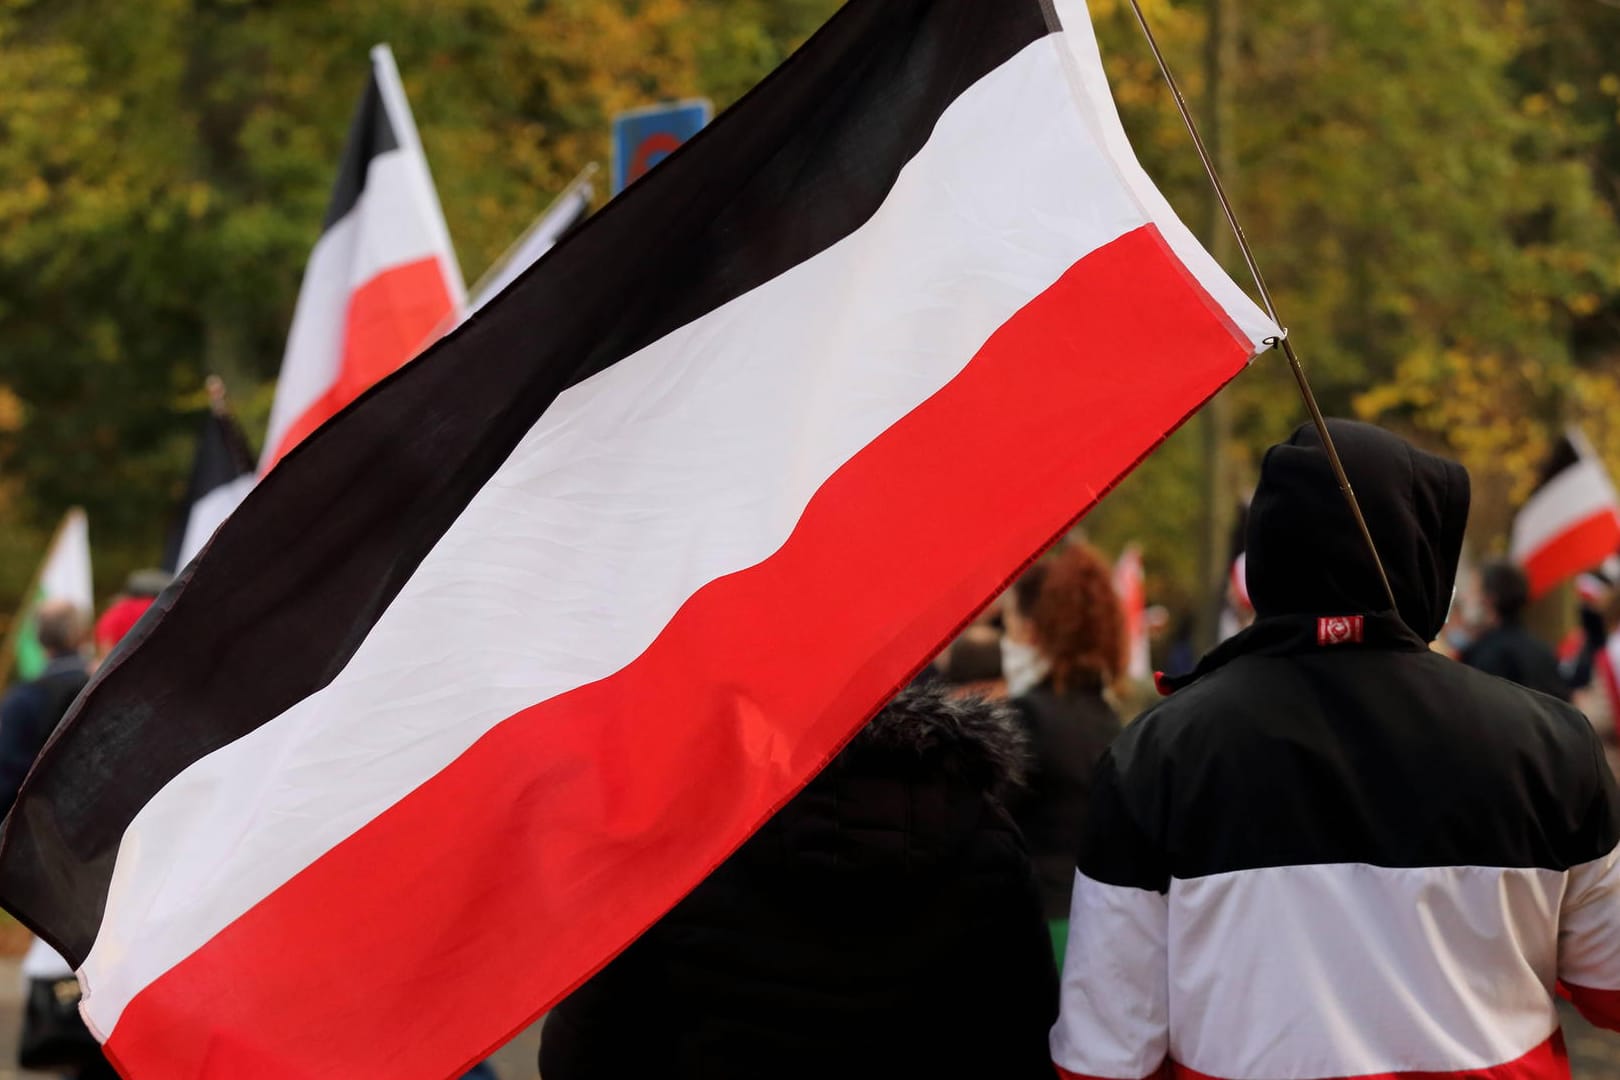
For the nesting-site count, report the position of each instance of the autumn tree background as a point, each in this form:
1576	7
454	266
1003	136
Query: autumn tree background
1431	189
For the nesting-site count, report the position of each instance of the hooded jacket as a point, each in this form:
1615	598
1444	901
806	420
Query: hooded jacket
884	923
1332	852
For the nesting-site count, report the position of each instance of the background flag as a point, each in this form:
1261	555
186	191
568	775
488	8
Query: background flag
382	276
221	477
499	667
564	213
1131	584
64	575
1571	522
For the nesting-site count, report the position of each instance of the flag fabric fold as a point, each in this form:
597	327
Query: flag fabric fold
382	276
498	666
1571	522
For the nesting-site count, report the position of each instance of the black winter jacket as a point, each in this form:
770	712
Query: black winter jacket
884	923
29	712
1067	734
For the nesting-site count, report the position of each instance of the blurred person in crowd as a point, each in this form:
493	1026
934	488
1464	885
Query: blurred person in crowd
1064	647
1597	637
1332	851
1466	613
28	714
1238	612
1180	655
1503	647
972	663
30	711
885	922
126	609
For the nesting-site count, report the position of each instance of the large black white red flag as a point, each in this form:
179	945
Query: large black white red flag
382	277
498	665
1571	522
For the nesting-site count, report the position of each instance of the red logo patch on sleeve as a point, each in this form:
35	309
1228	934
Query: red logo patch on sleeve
1338	629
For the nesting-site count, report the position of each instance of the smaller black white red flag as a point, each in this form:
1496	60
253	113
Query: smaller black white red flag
383	279
1571	522
221	477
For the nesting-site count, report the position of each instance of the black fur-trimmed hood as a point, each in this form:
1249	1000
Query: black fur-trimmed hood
981	738
915	796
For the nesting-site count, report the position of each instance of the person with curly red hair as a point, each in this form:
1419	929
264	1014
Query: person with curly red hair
1063	648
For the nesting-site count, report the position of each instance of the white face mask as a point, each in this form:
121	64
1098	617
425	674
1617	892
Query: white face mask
1023	666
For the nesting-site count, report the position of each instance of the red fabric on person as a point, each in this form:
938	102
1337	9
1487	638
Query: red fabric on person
1600	1007
1549	1061
119	619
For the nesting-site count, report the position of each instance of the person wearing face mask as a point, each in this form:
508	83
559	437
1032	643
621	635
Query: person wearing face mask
1064	646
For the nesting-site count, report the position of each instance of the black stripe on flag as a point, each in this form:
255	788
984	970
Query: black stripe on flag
371	134
1564	455
294	582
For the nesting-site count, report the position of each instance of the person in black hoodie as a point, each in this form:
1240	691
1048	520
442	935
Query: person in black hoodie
1333	852
884	923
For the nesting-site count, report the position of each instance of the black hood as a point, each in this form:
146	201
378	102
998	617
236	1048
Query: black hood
905	798
1305	554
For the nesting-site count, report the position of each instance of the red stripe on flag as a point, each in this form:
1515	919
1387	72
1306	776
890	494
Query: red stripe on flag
1549	1061
476	902
1581	546
389	321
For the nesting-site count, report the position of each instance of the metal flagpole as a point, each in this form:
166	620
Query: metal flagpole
585	176
217	403
1294	365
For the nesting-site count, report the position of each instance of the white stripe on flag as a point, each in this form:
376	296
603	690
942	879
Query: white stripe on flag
425	196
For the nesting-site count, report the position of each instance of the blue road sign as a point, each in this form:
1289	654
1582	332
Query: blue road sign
644	137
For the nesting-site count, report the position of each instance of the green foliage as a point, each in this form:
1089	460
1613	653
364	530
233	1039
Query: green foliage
1430	187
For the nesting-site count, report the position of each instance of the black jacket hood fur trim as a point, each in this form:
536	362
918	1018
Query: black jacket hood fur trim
984	738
